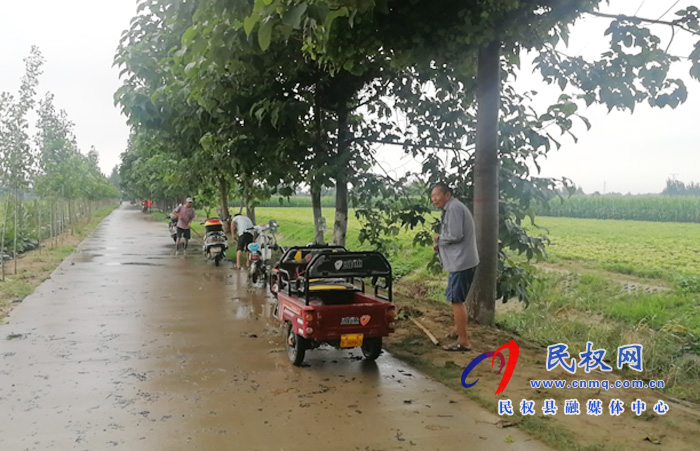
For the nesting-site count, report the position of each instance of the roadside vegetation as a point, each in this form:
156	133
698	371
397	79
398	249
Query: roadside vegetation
37	265
47	185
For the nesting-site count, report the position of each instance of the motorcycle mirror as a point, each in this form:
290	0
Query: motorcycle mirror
273	226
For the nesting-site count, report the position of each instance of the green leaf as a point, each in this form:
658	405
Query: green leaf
188	36
265	35
249	23
292	17
586	121
334	14
569	108
695	70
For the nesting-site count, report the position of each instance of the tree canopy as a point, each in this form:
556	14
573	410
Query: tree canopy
268	94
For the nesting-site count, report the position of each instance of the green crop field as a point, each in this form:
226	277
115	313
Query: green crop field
645	249
667	251
634	208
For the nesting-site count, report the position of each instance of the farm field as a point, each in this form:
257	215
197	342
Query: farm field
668	252
665	251
634	208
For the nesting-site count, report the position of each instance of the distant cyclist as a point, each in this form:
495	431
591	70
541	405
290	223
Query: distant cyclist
185	215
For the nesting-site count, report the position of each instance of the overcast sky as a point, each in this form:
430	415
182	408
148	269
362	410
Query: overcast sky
78	38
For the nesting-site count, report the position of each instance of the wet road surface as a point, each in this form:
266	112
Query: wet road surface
129	346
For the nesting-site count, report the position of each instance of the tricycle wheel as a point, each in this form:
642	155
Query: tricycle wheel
296	346
371	348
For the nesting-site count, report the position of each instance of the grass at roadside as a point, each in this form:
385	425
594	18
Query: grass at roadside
36	266
577	308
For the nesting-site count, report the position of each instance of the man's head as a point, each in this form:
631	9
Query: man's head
237	214
188	201
440	195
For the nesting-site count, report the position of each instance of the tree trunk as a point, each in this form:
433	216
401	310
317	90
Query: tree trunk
482	301
14	250
71	218
340	225
319	227
250	212
37	213
4	231
51	223
319	222
223	193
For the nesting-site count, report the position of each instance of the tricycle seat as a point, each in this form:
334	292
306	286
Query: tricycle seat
331	285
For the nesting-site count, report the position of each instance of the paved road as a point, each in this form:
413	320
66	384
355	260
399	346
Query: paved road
128	346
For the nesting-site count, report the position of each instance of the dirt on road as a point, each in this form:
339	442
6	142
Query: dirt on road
129	346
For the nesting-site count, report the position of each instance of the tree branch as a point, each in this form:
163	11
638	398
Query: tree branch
402	144
673	23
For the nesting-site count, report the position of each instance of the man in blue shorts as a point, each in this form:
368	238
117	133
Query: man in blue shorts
456	245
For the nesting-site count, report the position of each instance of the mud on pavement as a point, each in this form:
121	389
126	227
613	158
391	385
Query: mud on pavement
130	346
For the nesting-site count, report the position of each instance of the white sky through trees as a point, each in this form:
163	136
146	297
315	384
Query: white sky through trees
623	152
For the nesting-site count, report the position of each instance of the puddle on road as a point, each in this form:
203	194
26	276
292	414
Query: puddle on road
243	311
132	264
83	257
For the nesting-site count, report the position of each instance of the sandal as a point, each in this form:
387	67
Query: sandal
456	348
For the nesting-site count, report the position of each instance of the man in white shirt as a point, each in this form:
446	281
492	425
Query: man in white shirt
242	227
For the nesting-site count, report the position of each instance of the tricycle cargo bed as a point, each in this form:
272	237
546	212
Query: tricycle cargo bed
326	318
321	298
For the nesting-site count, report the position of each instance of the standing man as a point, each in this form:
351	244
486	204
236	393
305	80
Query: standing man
185	215
456	245
242	227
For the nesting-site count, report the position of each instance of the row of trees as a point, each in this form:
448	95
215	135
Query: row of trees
678	188
47	184
265	95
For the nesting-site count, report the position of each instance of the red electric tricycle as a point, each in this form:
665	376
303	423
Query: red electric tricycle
322	297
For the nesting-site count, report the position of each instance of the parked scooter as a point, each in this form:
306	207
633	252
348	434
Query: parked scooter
215	242
264	243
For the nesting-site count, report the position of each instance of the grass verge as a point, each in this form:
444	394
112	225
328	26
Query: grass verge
36	266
